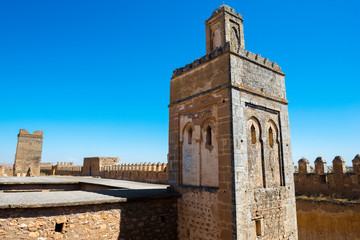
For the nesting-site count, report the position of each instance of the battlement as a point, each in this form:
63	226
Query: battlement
137	167
64	164
140	172
337	181
61	168
256	58
24	132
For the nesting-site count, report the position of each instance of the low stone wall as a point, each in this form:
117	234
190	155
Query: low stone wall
151	218
330	220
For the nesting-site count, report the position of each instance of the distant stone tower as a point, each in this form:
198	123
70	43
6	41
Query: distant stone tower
229	141
28	153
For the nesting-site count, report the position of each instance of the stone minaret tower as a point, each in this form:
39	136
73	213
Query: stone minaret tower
229	141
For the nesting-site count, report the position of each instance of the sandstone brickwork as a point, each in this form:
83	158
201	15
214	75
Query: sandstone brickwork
28	153
229	141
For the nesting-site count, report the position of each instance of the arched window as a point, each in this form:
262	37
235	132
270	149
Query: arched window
253	134
216	41
208	136
190	131
235	38
271	137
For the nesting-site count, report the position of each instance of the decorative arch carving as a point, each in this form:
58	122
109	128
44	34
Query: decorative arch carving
209	154
216	38
235	38
190	164
274	163
255	154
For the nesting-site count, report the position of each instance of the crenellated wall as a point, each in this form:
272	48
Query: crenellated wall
61	168
140	172
340	182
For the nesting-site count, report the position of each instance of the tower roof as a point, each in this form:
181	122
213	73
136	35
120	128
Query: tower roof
225	8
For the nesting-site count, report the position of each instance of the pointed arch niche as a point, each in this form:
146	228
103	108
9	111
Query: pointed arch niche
274	164
256	169
190	164
209	175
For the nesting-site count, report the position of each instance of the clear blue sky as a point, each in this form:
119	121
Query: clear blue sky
94	75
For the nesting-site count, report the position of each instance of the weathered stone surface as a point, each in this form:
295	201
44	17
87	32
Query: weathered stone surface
28	153
330	220
154	218
92	166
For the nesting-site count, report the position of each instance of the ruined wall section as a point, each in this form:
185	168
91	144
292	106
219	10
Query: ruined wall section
28	153
262	152
200	101
338	183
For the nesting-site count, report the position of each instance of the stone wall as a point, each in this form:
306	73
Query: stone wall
338	182
92	166
6	170
28	153
330	220
61	168
139	172
146	219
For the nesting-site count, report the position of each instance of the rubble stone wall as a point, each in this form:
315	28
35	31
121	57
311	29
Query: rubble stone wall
146	219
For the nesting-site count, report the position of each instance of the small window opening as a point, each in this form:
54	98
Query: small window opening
323	178
253	134
258	227
190	136
208	136
162	219
271	137
59	227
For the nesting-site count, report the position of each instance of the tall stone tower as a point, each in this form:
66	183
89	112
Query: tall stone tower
229	141
28	153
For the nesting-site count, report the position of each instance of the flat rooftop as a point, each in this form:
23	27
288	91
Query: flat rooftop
122	191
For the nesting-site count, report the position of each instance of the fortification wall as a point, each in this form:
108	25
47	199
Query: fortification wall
140	172
68	168
338	183
330	220
92	165
61	168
